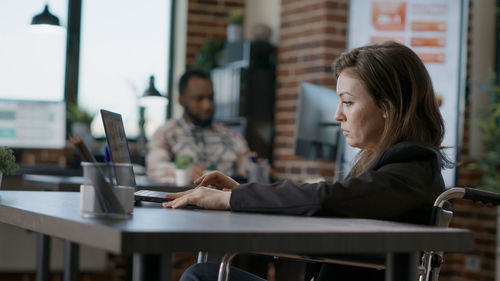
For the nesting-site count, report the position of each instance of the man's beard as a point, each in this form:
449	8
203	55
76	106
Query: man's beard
196	120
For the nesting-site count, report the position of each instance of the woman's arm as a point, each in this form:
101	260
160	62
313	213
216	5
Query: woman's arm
393	191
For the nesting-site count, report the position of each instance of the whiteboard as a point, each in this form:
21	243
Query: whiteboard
32	124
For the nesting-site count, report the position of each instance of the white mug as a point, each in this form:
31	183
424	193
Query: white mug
182	177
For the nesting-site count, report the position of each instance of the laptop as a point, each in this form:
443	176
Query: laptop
118	147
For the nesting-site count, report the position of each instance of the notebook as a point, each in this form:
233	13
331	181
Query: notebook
118	146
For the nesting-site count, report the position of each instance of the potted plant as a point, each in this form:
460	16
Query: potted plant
78	120
8	164
183	164
76	114
209	55
489	163
235	26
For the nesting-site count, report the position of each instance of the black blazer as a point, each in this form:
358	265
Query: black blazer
400	185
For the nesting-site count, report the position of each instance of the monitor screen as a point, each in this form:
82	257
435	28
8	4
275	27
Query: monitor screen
32	124
317	133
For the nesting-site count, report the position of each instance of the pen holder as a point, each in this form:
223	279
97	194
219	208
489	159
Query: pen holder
107	190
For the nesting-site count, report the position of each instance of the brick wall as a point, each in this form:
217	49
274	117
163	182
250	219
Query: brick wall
312	35
207	19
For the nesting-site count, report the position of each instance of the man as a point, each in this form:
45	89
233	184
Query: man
211	144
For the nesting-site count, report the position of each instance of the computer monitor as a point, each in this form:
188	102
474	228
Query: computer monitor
317	134
32	124
239	125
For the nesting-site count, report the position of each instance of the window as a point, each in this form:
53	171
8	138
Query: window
123	43
31	63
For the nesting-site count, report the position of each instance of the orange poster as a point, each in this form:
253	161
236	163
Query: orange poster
380	39
389	15
436	30
428	26
432	57
428	42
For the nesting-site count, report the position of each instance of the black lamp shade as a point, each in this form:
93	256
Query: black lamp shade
151	91
45	17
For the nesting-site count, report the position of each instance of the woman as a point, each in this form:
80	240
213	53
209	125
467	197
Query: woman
387	109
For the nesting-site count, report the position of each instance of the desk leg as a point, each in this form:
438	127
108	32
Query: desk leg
151	267
165	267
225	265
71	257
401	266
42	257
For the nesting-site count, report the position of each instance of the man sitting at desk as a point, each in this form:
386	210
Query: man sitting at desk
211	144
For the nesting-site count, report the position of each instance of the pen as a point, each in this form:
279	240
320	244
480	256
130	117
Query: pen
80	145
107	154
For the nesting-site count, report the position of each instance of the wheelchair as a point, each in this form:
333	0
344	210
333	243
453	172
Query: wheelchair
431	261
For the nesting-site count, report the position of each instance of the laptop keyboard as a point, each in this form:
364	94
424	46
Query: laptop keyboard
151	196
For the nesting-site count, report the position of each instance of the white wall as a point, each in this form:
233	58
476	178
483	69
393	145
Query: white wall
263	11
180	27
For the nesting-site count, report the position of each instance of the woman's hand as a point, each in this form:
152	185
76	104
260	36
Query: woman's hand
203	197
217	180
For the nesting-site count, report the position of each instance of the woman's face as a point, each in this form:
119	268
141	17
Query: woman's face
362	121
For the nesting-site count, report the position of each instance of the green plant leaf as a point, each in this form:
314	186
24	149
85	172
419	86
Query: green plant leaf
236	16
75	114
184	161
489	163
208	56
8	164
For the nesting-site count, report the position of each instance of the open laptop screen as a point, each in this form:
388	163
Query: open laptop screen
117	141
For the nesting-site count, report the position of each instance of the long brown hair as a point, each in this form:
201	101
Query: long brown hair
400	84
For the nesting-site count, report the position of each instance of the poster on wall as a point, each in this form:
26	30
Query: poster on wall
436	31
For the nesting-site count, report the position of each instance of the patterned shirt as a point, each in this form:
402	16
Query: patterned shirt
216	147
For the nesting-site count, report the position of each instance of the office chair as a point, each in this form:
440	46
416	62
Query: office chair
431	261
